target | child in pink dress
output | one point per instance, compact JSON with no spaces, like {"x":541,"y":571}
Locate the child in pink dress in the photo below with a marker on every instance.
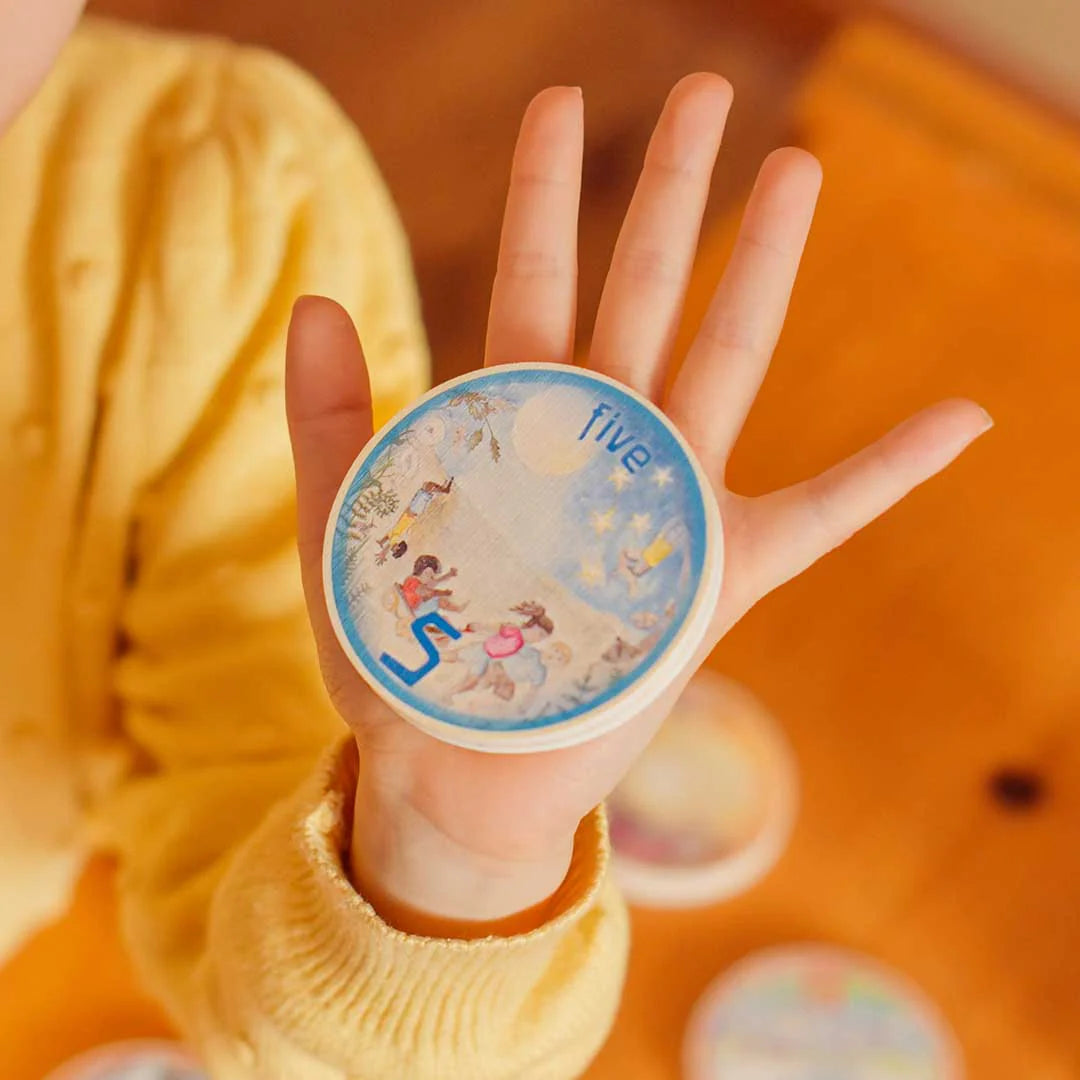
{"x":507,"y":656}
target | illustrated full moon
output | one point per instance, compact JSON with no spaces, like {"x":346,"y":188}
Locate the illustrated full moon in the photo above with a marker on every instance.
{"x":546,"y":432}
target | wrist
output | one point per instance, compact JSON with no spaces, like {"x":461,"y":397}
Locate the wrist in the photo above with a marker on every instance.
{"x":418,"y":877}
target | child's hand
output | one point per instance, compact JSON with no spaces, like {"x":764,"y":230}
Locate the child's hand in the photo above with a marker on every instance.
{"x":478,"y":836}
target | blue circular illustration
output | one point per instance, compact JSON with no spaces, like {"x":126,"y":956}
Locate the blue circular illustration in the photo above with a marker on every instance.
{"x":525,"y":548}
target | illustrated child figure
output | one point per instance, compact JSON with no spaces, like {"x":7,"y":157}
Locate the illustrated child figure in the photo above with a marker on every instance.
{"x":393,"y":542}
{"x":634,"y":564}
{"x":507,"y":655}
{"x":655,"y":624}
{"x":420,"y":591}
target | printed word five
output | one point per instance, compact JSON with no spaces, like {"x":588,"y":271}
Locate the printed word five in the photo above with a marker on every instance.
{"x":615,"y":438}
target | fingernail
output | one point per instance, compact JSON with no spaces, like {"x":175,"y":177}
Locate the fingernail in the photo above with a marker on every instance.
{"x":988,"y":421}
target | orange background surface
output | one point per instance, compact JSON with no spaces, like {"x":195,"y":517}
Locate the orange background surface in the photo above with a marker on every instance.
{"x":937,"y":647}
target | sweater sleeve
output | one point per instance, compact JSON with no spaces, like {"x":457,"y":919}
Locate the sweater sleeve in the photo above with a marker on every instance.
{"x":248,"y":189}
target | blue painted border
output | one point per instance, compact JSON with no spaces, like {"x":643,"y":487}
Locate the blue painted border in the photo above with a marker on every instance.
{"x":697,"y":523}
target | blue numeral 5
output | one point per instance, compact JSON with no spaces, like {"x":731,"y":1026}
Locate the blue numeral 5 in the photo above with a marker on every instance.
{"x":411,"y":676}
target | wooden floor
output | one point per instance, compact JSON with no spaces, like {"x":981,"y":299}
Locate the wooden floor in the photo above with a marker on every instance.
{"x":438,"y":96}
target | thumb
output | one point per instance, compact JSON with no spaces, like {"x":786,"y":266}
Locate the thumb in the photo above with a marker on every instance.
{"x":328,"y":404}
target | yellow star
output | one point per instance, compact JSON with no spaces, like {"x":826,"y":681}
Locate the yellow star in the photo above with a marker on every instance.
{"x":620,"y":478}
{"x":592,"y":573}
{"x":640,"y":522}
{"x":604,"y":522}
{"x":662,"y":477}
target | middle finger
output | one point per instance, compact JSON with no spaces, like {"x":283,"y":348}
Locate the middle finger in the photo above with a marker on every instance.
{"x":643,"y":296}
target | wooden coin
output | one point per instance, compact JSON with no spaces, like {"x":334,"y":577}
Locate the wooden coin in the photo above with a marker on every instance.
{"x":707,"y":809}
{"x":811,"y":1011}
{"x":138,"y":1059}
{"x":524,"y":558}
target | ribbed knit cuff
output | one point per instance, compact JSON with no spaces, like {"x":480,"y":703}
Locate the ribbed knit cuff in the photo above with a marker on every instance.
{"x":305,"y":963}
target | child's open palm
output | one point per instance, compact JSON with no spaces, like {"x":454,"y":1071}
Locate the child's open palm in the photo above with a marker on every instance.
{"x":472,"y":835}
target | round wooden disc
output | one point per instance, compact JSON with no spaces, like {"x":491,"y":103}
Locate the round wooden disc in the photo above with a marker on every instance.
{"x":707,"y":809}
{"x":524,"y":558}
{"x":137,"y":1059}
{"x":804,"y":1012}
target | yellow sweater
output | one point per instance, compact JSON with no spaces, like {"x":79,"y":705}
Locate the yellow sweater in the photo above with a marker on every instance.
{"x":162,"y":202}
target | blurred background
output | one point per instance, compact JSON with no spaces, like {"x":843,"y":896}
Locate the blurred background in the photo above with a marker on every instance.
{"x":928,"y":676}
